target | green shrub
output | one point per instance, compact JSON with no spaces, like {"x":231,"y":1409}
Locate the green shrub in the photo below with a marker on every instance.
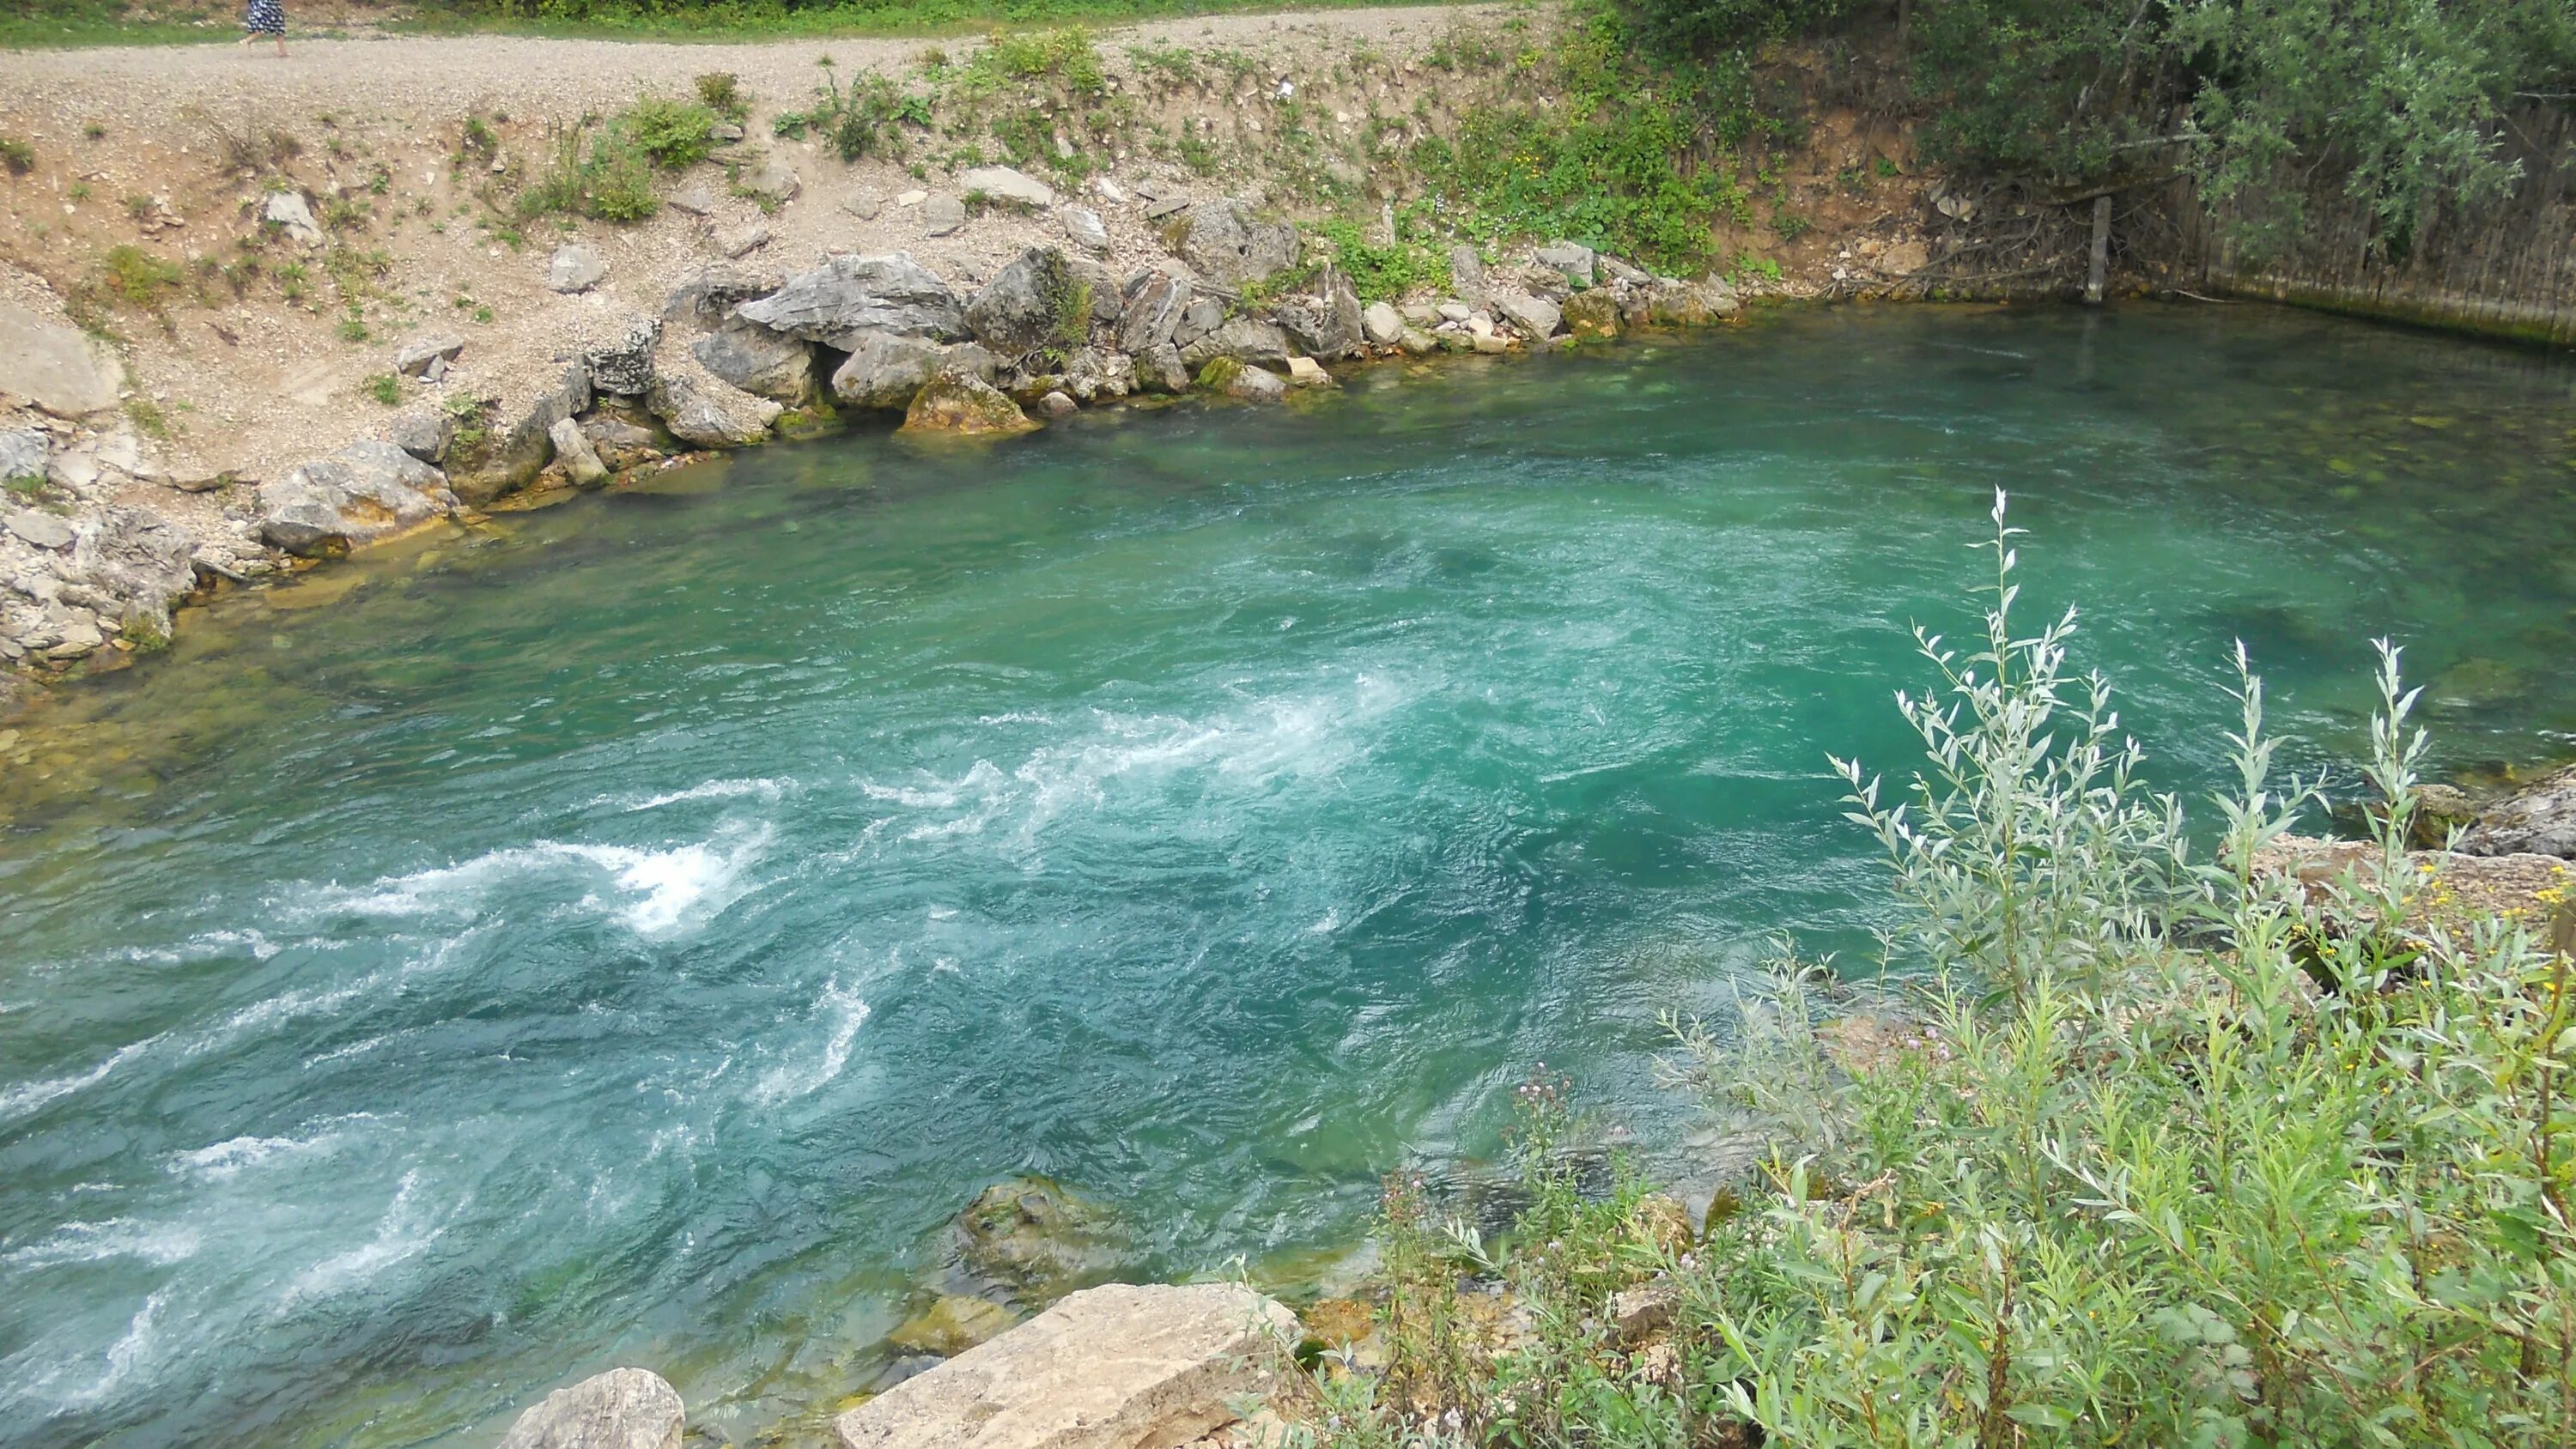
{"x":671,"y":134}
{"x":17,"y":156}
{"x":138,"y":277}
{"x":1382,"y":273}
{"x":385,"y":388}
{"x":721,"y":91}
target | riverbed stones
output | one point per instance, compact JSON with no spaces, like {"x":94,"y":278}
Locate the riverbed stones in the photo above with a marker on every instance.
{"x":414,"y":357}
{"x":581,"y":462}
{"x":1160,"y":369}
{"x":1232,"y":377}
{"x":54,"y":366}
{"x":1033,"y":302}
{"x":1115,"y":1367}
{"x":760,"y":360}
{"x":958,"y":402}
{"x":886,"y":369}
{"x":850,"y":296}
{"x":1382,"y":324}
{"x":624,"y":442}
{"x":1038,"y":1240}
{"x":575,"y":268}
{"x":624,"y":1408}
{"x":1230,"y":245}
{"x":1003,"y":186}
{"x":366,"y":491}
{"x":949,"y":1325}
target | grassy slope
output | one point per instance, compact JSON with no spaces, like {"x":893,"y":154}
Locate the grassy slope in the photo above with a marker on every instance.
{"x":62,"y":24}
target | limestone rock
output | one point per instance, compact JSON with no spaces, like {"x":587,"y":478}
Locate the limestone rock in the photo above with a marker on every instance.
{"x":1307,"y":372}
{"x":1202,"y":316}
{"x":1083,"y":227}
{"x":696,"y":201}
{"x":942,"y":214}
{"x":626,"y":1408}
{"x":1237,"y":379}
{"x":1572,"y":259}
{"x":572,"y":449}
{"x":1327,"y":325}
{"x":414,"y":357}
{"x":774,"y":182}
{"x":1467,"y":275}
{"x":1534,"y":317}
{"x":1640,"y":1312}
{"x":850,"y":296}
{"x":1091,"y":373}
{"x":1417,"y":343}
{"x":1669,"y":302}
{"x":1243,"y":339}
{"x":1035,"y":301}
{"x":508,"y":457}
{"x":1593,"y":315}
{"x":1619,"y":271}
{"x":738,"y":241}
{"x":959,"y":402}
{"x":1230,"y":246}
{"x":366,"y":491}
{"x":24,"y":452}
{"x":1058,"y":404}
{"x":1382,"y":324}
{"x":863,"y":203}
{"x":624,"y":367}
{"x":1116,"y":1367}
{"x":623,"y":443}
{"x":1038,"y":1239}
{"x":1008,"y":187}
{"x":290,"y":213}
{"x":2539,"y":819}
{"x":1160,"y":369}
{"x":54,"y":366}
{"x":422,"y":432}
{"x":575,"y":268}
{"x":887,"y":369}
{"x":43,"y":530}
{"x":702,"y":409}
{"x":1155,"y":302}
{"x":763,"y":362}
{"x":709,"y":295}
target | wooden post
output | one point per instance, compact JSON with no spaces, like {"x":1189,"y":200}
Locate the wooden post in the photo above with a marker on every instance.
{"x":2101,"y":250}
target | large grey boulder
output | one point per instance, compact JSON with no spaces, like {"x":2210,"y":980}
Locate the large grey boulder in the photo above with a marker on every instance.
{"x":1034,"y":302}
{"x":1115,"y":1367}
{"x":1467,"y":275}
{"x":959,"y":402}
{"x":2538,"y":819}
{"x":54,"y":366}
{"x":1533,"y":317}
{"x":887,"y":369}
{"x":1244,"y":339}
{"x":623,"y":365}
{"x":24,"y":453}
{"x":1202,"y":316}
{"x":43,"y":530}
{"x":1230,"y":245}
{"x":1008,"y":187}
{"x":1382,"y":323}
{"x":1242,"y":380}
{"x":1160,"y":369}
{"x":1327,"y":325}
{"x":366,"y":491}
{"x":702,"y":409}
{"x":761,"y":361}
{"x":1573,"y":259}
{"x":507,"y":457}
{"x":707,"y":296}
{"x":580,"y":460}
{"x":851,"y":296}
{"x":1155,"y":302}
{"x":575,"y":268}
{"x":422,"y":432}
{"x":627,"y":1408}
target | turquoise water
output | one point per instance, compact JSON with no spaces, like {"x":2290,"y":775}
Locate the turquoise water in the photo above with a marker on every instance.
{"x":627,"y":933}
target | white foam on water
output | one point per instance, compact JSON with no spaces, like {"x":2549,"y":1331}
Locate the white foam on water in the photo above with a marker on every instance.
{"x":652,"y":892}
{"x":403,"y":1231}
{"x":766,"y":790}
{"x":204,"y":946}
{"x":847,"y":1014}
{"x":233,"y":1155}
{"x":160,"y":1244}
{"x":129,"y":1349}
{"x":26,"y":1097}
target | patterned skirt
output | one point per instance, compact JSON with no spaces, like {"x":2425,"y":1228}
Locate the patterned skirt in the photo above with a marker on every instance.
{"x":267,"y":17}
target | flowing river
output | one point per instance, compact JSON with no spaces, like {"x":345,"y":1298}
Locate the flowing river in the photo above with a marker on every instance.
{"x":628,"y":933}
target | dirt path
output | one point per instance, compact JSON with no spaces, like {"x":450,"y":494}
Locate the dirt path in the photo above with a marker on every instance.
{"x":151,"y":86}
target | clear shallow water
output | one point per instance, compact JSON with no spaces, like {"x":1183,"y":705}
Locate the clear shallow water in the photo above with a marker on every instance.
{"x":624,"y":936}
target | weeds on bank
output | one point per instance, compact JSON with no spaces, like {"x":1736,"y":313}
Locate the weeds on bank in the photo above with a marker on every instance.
{"x":605,"y":169}
{"x":2130,"y":1174}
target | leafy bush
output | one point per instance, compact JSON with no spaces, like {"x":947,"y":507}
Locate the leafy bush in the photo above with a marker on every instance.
{"x":672,"y":134}
{"x":865,"y":120}
{"x":17,"y":156}
{"x":604,"y":174}
{"x":138,"y":277}
{"x":1380,"y":273}
{"x":721,"y":91}
{"x":2122,"y":1173}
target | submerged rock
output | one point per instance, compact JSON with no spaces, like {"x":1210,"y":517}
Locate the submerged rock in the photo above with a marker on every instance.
{"x":1117,"y":1367}
{"x":626,"y":1408}
{"x":1034,"y":1237}
{"x":950,"y":1325}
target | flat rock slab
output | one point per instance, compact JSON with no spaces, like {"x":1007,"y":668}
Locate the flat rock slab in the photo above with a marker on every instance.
{"x":627,"y":1408}
{"x":1116,"y":1367}
{"x":53,"y":366}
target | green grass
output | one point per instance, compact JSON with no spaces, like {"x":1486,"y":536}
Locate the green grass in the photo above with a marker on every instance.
{"x":755,"y":19}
